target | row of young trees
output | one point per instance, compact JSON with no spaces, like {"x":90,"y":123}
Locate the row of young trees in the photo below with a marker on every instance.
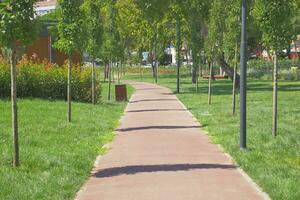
{"x":111,"y":30}
{"x":84,"y":26}
{"x":271,"y":24}
{"x":16,"y":29}
{"x":211,"y":30}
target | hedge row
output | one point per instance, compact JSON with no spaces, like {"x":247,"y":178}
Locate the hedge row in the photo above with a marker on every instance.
{"x":268,"y":65}
{"x":49,"y":81}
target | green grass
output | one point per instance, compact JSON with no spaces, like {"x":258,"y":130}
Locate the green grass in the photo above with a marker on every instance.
{"x":274,"y":163}
{"x":56,"y":157}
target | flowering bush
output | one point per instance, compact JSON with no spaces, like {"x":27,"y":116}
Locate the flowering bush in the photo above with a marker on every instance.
{"x":45,"y":80}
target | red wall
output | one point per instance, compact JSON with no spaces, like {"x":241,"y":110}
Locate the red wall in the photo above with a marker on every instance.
{"x":42,"y":50}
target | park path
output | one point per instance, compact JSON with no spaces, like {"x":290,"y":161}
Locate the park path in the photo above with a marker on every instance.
{"x":160,"y":153}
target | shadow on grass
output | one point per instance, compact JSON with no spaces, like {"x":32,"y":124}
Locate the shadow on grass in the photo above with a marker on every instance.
{"x":268,"y":86}
{"x":135,"y":169}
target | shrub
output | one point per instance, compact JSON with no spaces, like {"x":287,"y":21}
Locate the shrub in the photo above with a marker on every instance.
{"x":268,"y":65}
{"x":256,"y":73}
{"x":45,"y":80}
{"x":162,"y":70}
{"x":262,"y":69}
{"x":289,"y":74}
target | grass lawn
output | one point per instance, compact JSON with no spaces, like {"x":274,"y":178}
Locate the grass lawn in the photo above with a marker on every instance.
{"x":274,"y":163}
{"x":56,"y":157}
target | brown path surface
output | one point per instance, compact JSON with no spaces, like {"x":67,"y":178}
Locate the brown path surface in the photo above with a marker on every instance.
{"x":160,"y":153}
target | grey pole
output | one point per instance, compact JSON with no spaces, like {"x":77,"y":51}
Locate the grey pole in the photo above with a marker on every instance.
{"x":243,"y":79}
{"x":178,"y":31}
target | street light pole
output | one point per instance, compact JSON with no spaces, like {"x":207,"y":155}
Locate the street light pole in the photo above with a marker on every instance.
{"x":178,"y":32}
{"x":243,"y":79}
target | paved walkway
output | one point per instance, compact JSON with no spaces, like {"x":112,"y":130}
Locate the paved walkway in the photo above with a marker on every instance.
{"x":160,"y":153}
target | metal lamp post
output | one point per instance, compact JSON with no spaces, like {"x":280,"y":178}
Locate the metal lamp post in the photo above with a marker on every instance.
{"x":178,"y":33}
{"x":243,"y":79}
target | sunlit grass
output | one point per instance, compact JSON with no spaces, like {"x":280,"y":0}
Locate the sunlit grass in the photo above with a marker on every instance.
{"x":56,"y":157}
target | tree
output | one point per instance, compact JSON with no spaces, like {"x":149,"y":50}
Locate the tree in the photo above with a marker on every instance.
{"x":274,"y":18}
{"x":94,"y":31}
{"x":196,"y":13}
{"x":17,"y":30}
{"x":154,"y":14}
{"x":111,"y":46}
{"x":231,"y":38}
{"x":214,"y":40}
{"x":177,"y":14}
{"x":70,"y":33}
{"x":217,"y":30}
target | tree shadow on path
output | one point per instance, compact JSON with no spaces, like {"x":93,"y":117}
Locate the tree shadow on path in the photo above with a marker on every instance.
{"x":149,"y":100}
{"x":155,"y":110}
{"x":135,"y":169}
{"x":155,"y":127}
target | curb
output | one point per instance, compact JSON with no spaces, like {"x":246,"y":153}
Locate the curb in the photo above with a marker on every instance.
{"x":99,"y":157}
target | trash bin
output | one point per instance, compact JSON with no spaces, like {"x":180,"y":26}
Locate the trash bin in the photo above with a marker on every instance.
{"x":121,"y":92}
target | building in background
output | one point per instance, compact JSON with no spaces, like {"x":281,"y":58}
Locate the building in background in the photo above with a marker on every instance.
{"x":45,"y":6}
{"x":42,"y":49}
{"x":295,"y":48}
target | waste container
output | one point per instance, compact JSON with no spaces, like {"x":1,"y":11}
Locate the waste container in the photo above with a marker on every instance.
{"x":121,"y":92}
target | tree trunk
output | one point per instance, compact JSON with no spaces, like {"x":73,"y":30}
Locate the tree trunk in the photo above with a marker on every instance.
{"x":200,"y":68}
{"x":234,"y":80}
{"x":194,"y":73}
{"x":187,"y":56}
{"x":106,"y":70}
{"x":69,"y":91}
{"x":197,"y":79}
{"x":275,"y":94}
{"x":118,"y":66}
{"x":109,"y":80}
{"x":93,"y":84}
{"x":157,"y":71}
{"x":210,"y":64}
{"x":153,"y":69}
{"x":154,"y":65}
{"x":197,"y":82}
{"x":228,"y":70}
{"x":124,"y":69}
{"x":113,"y":72}
{"x":14,"y":110}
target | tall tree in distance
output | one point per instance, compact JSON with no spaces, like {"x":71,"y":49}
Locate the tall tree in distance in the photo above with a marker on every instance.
{"x":196,"y":13}
{"x":214,"y":39}
{"x":17,"y":29}
{"x":130,"y":27}
{"x":94,"y":26}
{"x":231,"y":42}
{"x":70,"y":37}
{"x":154,"y":15}
{"x":274,"y":18}
{"x":176,"y":8}
{"x":111,"y":44}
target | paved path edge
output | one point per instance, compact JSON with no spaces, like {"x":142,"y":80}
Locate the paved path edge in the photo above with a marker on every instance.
{"x":98,"y":158}
{"x":240,"y":170}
